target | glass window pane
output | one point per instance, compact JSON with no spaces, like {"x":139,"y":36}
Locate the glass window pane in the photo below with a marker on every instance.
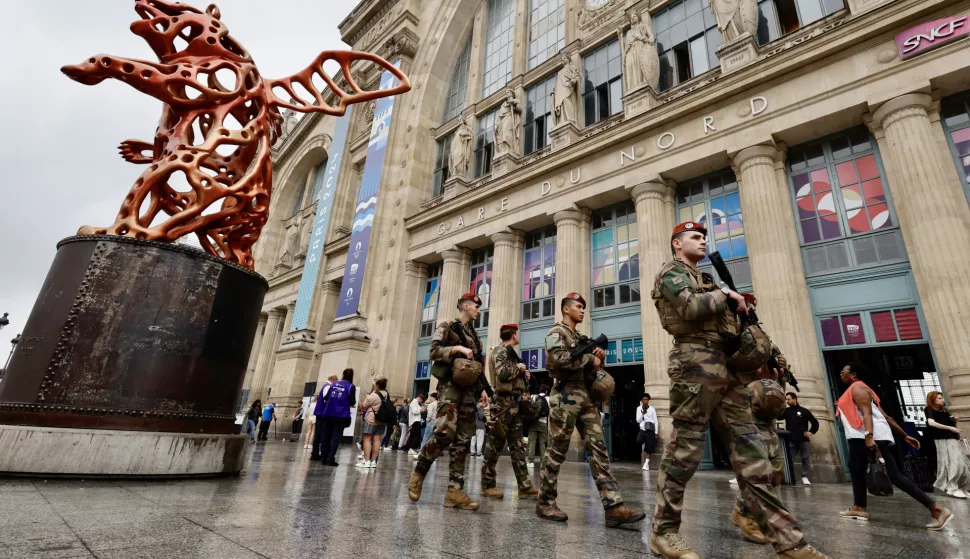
{"x":831,"y":332}
{"x":698,"y":56}
{"x":616,"y":97}
{"x":695,"y":25}
{"x":882,"y":324}
{"x":847,"y":173}
{"x":832,"y":6}
{"x":867,"y":167}
{"x":767,"y":24}
{"x":852,"y":329}
{"x":627,"y":350}
{"x":908,"y":323}
{"x":809,"y":10}
{"x":954,"y":112}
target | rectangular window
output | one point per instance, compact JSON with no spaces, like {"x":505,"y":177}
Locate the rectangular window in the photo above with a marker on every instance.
{"x":539,"y":275}
{"x":602,"y":83}
{"x":535,"y":359}
{"x":615,"y":256}
{"x":441,"y":167}
{"x":429,"y":311}
{"x":914,"y":392}
{"x":778,"y":18}
{"x":888,"y":326}
{"x":499,"y":34}
{"x":480,"y":282}
{"x":547,"y":30}
{"x":538,"y":115}
{"x":458,"y":90}
{"x":687,"y":41}
{"x":714,"y":201}
{"x":422,"y":370}
{"x":319,"y":178}
{"x":844,"y":215}
{"x":485,"y":144}
{"x":956,"y":121}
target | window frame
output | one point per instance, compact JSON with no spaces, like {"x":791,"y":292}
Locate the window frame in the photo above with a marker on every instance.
{"x":482,"y":259}
{"x":544,"y":245}
{"x":484,"y":152}
{"x":634,"y":280}
{"x":459,"y":84}
{"x":664,"y":25}
{"x":531,"y":119}
{"x":775,"y":22}
{"x":492,"y":44}
{"x":949,"y":130}
{"x":432,"y":279}
{"x":559,"y":29}
{"x":442,"y":167}
{"x":612,"y":80}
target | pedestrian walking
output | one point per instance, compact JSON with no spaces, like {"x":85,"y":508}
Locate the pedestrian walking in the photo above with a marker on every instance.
{"x":414,"y":420}
{"x":539,"y":429}
{"x":390,"y":429}
{"x":571,"y":404}
{"x":432,"y":407}
{"x":297,"y":427}
{"x":400,"y":436}
{"x":869,"y":430}
{"x":252,"y":417}
{"x":338,"y":398}
{"x":478,"y":441}
{"x":801,"y":426}
{"x":373,"y":426}
{"x":703,"y":320}
{"x":311,"y":420}
{"x":319,"y":447}
{"x":952,"y":471}
{"x":649,"y":429}
{"x":269,"y":415}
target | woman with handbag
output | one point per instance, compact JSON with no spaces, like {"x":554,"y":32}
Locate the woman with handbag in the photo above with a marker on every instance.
{"x":953,"y":473}
{"x":869,"y":430}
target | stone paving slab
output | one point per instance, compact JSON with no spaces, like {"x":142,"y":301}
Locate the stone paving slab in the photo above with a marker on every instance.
{"x":285,"y":507}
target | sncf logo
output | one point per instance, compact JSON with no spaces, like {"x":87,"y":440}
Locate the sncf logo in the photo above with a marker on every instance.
{"x":930,"y":35}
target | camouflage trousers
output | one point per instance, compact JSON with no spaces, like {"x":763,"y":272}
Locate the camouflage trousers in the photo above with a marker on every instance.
{"x":702,"y":389}
{"x":770,"y":436}
{"x":570,"y":406}
{"x":453,"y":430}
{"x":506,"y":428}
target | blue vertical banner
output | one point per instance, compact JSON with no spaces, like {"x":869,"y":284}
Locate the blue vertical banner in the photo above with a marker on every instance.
{"x":311,"y":266}
{"x":366,"y":203}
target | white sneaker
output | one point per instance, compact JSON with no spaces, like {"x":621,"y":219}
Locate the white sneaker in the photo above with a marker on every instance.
{"x":361,"y":464}
{"x":805,"y":481}
{"x":372,"y":464}
{"x":959,"y":494}
{"x":733,"y":481}
{"x":412,"y":453}
{"x":646,"y":465}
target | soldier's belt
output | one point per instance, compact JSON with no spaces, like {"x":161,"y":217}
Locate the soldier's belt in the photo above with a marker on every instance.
{"x":701,"y":341}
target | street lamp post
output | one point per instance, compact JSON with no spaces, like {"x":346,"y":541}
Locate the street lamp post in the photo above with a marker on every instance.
{"x":13,"y":346}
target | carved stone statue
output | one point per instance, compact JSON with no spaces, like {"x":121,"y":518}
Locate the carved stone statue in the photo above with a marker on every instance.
{"x":565,"y":94}
{"x":306,"y":230}
{"x":735,"y":17}
{"x":290,"y":121}
{"x":508,"y":126}
{"x":367,"y":121}
{"x":461,"y":149}
{"x":291,"y":246}
{"x":641,"y":57}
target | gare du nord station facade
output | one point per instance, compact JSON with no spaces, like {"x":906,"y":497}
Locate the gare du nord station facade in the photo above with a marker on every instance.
{"x":827,"y":151}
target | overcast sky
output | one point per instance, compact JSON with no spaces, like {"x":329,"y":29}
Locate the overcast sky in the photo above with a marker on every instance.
{"x":59,"y":166}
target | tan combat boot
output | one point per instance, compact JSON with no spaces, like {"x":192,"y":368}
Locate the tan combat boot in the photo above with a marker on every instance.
{"x":456,"y":498}
{"x":803,"y":552}
{"x":529,"y":493}
{"x":414,"y":486}
{"x":550,"y":512}
{"x":671,"y":546}
{"x":749,"y":529}
{"x":492,"y":493}
{"x":622,"y":514}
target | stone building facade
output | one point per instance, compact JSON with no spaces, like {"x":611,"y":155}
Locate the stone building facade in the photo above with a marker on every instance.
{"x":550,"y":146}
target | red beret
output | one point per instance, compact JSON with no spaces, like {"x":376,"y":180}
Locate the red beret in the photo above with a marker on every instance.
{"x":470,"y":297}
{"x":573,"y":297}
{"x":509,"y":328}
{"x":688,"y":226}
{"x":749,"y":298}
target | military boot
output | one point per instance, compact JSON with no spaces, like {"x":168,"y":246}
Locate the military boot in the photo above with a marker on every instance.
{"x":803,"y":552}
{"x":671,"y":546}
{"x":529,"y":493}
{"x":622,"y":514}
{"x":456,"y":498}
{"x":414,"y":486}
{"x":550,"y":512}
{"x":492,"y":493}
{"x":749,"y":529}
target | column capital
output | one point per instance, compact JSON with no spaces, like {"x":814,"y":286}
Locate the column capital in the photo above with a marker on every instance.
{"x":276,"y":313}
{"x":899,"y":108}
{"x":456,"y":255}
{"x":415,"y":269}
{"x":290,"y":306}
{"x":329,"y":288}
{"x":654,"y":189}
{"x":263,"y":317}
{"x":756,"y":155}
{"x":573,"y":216}
{"x":510,"y":237}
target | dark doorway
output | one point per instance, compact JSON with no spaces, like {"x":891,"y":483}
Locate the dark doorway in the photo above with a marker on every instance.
{"x":621,"y":416}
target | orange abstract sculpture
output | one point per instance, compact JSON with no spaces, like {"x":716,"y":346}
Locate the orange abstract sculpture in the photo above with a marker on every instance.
{"x":218,"y":124}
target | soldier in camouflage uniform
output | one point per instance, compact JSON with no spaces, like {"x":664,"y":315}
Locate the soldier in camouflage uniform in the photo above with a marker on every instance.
{"x":455,"y":424}
{"x":511,"y":376}
{"x":570,"y":405}
{"x":699,"y":316}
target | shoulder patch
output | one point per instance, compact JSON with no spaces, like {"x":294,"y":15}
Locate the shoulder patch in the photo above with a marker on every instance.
{"x":553,"y":340}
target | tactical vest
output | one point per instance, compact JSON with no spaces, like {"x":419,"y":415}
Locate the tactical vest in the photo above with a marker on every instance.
{"x":570,"y":338}
{"x":724,"y":325}
{"x":515,"y":386}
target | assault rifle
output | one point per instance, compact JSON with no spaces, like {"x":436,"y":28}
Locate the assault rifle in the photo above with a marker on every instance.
{"x":751,"y":318}
{"x":587,"y":345}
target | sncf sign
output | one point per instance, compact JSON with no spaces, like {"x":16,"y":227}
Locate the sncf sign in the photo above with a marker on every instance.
{"x":930,"y":35}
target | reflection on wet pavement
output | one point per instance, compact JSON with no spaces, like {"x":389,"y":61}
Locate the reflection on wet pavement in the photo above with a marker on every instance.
{"x":285,"y":507}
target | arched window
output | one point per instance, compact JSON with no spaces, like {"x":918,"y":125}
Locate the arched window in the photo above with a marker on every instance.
{"x":302,"y":200}
{"x":458,"y":91}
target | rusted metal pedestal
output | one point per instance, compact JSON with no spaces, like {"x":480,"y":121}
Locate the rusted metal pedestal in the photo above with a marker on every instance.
{"x":131,"y":363}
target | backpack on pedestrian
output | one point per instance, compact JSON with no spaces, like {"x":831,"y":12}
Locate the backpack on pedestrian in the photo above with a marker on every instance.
{"x":386,"y":413}
{"x":543,"y":407}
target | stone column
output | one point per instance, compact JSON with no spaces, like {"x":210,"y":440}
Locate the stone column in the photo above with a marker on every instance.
{"x":254,"y":352}
{"x":935,"y":222}
{"x":654,"y":224}
{"x":505,"y":306}
{"x":454,"y":281}
{"x":477,"y":58}
{"x":267,"y":350}
{"x":572,"y":257}
{"x":779,"y":283}
{"x":401,"y":378}
{"x":520,"y":41}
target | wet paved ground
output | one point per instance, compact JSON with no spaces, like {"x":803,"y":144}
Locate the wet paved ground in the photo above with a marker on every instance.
{"x":285,"y":507}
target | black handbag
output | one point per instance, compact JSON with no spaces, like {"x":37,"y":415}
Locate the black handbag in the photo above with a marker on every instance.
{"x":877,"y":476}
